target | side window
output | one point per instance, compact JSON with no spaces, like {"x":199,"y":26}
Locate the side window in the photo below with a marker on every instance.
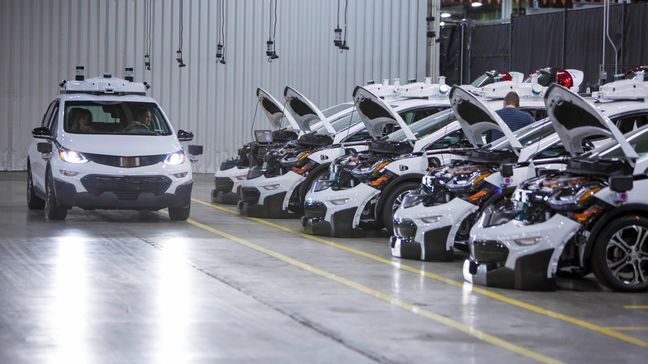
{"x":359,"y":136}
{"x":53,"y":121}
{"x":48,"y":113}
{"x":454,"y":139}
{"x":537,"y":114}
{"x":422,"y":114}
{"x":631,"y":122}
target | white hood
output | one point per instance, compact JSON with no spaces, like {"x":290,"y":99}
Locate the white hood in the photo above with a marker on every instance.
{"x":131,"y":145}
{"x":576,"y":119}
{"x":476,"y":118}
{"x":274,"y":111}
{"x":375,"y":113}
{"x":304,"y":111}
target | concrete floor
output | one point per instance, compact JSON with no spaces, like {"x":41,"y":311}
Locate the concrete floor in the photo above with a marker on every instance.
{"x":130,"y":287}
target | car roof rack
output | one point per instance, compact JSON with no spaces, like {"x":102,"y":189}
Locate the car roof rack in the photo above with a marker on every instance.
{"x":527,"y":89}
{"x":425,"y":89}
{"x":105,"y":85}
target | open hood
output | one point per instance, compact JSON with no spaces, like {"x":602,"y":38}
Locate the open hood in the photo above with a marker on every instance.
{"x":375,"y":113}
{"x":304,"y":111}
{"x":476,"y":118}
{"x":274,"y":111}
{"x":576,"y":119}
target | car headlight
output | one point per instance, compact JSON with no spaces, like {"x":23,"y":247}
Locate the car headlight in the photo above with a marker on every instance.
{"x":71,"y":156}
{"x":533,"y":240}
{"x":431,"y":219}
{"x":271,"y":187}
{"x":173,"y":159}
{"x":322,"y":184}
{"x":412,"y":199}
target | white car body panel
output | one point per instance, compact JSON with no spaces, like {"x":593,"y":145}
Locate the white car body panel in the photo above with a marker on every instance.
{"x":356,"y":196}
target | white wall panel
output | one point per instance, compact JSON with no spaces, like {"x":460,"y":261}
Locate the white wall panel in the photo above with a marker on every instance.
{"x":43,"y":41}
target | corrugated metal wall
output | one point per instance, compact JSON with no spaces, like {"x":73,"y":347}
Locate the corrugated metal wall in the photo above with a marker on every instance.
{"x":43,"y":41}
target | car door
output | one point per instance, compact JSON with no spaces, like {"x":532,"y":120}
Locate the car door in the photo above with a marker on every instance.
{"x":37,"y":162}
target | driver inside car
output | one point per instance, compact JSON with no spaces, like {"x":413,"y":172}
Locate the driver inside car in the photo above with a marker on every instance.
{"x":81,"y":120}
{"x":144,"y":119}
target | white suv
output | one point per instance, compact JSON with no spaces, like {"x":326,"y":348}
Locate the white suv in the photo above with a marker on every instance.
{"x":104,"y":144}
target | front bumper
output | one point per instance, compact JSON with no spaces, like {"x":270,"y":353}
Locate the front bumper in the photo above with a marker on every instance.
{"x":336,"y":213}
{"x":268,"y":197}
{"x":428,"y":233}
{"x":226,"y":183}
{"x":123,"y":192}
{"x":497,"y":260}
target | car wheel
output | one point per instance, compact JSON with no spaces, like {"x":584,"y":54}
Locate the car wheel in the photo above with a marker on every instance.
{"x":393,"y":202}
{"x":33,"y":202}
{"x":620,"y":256}
{"x":53,"y":211}
{"x":180,"y":213}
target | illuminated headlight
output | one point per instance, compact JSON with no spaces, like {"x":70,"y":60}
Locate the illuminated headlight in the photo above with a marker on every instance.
{"x":173,"y":159}
{"x":528,"y":241}
{"x":431,"y":219}
{"x":271,"y":187}
{"x":71,"y":156}
{"x":340,"y":201}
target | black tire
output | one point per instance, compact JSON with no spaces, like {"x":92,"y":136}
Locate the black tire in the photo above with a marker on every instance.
{"x":618,"y":253}
{"x":388,"y":208}
{"x":180,"y":213}
{"x":33,"y":201}
{"x":53,"y":211}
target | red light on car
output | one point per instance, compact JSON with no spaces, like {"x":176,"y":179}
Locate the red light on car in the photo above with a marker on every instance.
{"x":564,"y":78}
{"x":506,"y":76}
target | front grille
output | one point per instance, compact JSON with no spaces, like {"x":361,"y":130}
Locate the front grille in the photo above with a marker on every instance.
{"x":250,"y":195}
{"x":125,"y":187}
{"x":223,"y":183}
{"x":404,"y":228}
{"x":125,"y":162}
{"x":489,"y":252}
{"x":314,"y":209}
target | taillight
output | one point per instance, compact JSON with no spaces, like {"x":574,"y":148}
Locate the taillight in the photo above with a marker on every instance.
{"x":564,"y":78}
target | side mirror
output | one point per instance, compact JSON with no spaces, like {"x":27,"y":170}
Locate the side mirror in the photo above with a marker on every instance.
{"x":506,"y":170}
{"x":621,"y":184}
{"x":41,"y":132}
{"x":195,"y":149}
{"x":44,"y":148}
{"x":185,"y":136}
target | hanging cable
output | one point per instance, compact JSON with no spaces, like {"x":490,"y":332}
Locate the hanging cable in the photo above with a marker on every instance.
{"x":344,"y":46}
{"x":180,"y":31}
{"x":337,"y":32}
{"x":148,"y":25}
{"x":271,"y":50}
{"x":220,"y":31}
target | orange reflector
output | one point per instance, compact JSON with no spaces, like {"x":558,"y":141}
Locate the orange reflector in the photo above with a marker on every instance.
{"x":380,"y":180}
{"x":478,"y":195}
{"x":587,"y":214}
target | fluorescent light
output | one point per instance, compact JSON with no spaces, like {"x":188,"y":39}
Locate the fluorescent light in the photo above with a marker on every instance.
{"x":445,"y":15}
{"x":441,"y":23}
{"x":476,"y":4}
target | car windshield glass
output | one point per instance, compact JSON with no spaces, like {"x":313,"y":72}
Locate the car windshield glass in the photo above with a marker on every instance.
{"x":526,"y":135}
{"x":638,"y":139}
{"x":425,"y":126}
{"x":336,"y":109}
{"x":114,"y":117}
{"x":341,"y":123}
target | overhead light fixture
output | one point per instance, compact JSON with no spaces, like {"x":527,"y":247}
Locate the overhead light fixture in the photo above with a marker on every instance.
{"x":442,"y":24}
{"x":445,"y":15}
{"x":476,"y":4}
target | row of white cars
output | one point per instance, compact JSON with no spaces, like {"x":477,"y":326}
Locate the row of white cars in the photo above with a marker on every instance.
{"x":560,"y":196}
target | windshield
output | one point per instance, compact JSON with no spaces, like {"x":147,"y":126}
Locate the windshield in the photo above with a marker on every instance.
{"x":637,"y":139}
{"x":425,"y":126}
{"x":114,"y":117}
{"x":341,"y":123}
{"x":336,"y":109}
{"x":526,"y":135}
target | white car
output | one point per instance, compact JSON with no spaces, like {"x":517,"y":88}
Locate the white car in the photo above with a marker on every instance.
{"x":104,"y":144}
{"x":364,"y":192}
{"x":279,"y":188}
{"x":589,"y":217}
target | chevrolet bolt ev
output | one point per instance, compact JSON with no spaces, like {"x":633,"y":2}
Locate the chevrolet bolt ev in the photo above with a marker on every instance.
{"x":233,"y":171}
{"x":364,"y":190}
{"x":104,"y":144}
{"x":280,"y":187}
{"x":592,"y":216}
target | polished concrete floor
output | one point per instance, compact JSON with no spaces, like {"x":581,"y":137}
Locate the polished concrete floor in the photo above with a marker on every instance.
{"x":130,"y":287}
